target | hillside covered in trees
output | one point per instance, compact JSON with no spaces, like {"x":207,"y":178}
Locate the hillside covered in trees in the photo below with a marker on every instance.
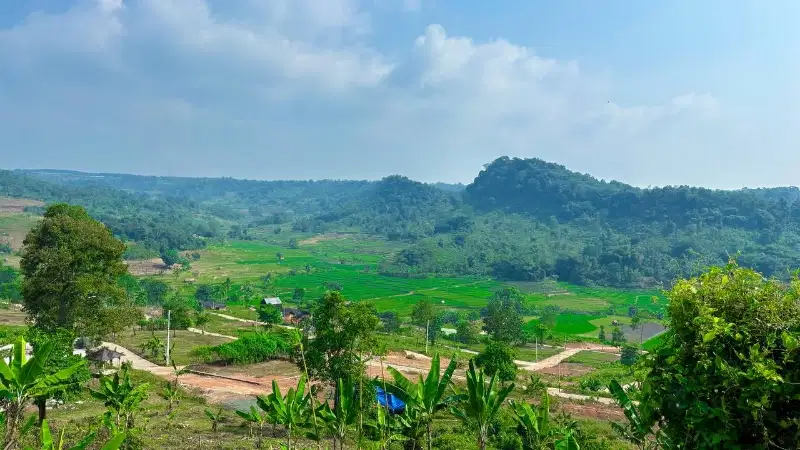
{"x":520,"y":219}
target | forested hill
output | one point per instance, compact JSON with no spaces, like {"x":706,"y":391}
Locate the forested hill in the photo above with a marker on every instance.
{"x":521,"y":219}
{"x":544,"y":190}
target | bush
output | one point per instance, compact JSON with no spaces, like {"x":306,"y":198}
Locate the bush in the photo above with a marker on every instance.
{"x":591,"y":383}
{"x":204,"y":353}
{"x":254,"y":348}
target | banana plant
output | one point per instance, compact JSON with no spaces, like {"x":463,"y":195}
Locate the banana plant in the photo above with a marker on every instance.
{"x":292,"y":411}
{"x":255,"y":418}
{"x":215,"y":417}
{"x":172,"y":392}
{"x":121,"y":397}
{"x":538,"y":430}
{"x":22,"y":379}
{"x":480,"y":404}
{"x":345,"y":412}
{"x":636,"y":431}
{"x":425,"y":398}
{"x":388,"y":428}
{"x":47,"y":443}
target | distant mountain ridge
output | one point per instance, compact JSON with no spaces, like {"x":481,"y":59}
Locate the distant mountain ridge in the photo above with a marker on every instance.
{"x":520,"y":219}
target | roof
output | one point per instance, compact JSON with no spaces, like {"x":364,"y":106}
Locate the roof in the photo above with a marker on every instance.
{"x":104,"y":354}
{"x":209,"y":304}
{"x":295,"y":312}
{"x":271,"y":301}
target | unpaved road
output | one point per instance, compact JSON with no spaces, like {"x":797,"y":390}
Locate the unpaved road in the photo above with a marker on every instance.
{"x":214,"y":388}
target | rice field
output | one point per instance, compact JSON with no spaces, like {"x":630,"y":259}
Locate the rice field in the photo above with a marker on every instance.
{"x":351,"y":261}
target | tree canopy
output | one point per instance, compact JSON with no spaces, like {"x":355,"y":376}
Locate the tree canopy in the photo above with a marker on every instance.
{"x":727,"y":371}
{"x":71,"y":265}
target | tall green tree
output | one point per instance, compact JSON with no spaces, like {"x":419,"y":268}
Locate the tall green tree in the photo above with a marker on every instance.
{"x":497,"y":359}
{"x":71,"y":264}
{"x":480,"y":404}
{"x":344,"y":332}
{"x":503,"y":319}
{"x":423,"y":312}
{"x":726,"y":375}
{"x":270,"y":314}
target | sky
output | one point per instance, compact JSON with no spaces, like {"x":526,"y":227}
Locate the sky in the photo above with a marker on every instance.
{"x":649,"y":93}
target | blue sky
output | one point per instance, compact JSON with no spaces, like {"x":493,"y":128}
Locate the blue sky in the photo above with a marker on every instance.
{"x":651,"y":93}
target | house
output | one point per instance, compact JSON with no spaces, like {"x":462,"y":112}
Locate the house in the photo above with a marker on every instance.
{"x":294,"y":315}
{"x":210,"y":304}
{"x":274,"y":301}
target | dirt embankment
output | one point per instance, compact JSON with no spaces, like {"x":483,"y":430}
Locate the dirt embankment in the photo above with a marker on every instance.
{"x":17,"y":205}
{"x":145,"y":267}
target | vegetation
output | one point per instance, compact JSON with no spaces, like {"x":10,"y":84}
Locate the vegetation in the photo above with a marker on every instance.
{"x":70,"y":266}
{"x":726,"y":370}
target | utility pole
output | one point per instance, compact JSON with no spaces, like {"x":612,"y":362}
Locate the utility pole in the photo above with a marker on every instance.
{"x":427,"y":326}
{"x":536,"y":348}
{"x":169,"y":317}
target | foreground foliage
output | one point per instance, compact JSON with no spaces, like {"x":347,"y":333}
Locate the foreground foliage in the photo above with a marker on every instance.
{"x":728,"y":372}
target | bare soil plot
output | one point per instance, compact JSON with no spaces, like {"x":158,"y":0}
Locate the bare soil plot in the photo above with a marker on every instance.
{"x":17,"y":205}
{"x":568,"y":370}
{"x":145,"y":267}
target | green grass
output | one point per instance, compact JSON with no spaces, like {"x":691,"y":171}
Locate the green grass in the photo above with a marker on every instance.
{"x":594,"y":299}
{"x":228,"y":327}
{"x":593,"y":359}
{"x":184,"y":342}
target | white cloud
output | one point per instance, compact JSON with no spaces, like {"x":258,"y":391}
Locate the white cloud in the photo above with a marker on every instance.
{"x":294,"y":88}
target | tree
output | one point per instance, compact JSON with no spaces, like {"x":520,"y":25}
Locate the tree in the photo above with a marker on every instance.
{"x":293,"y":243}
{"x":180,"y":312}
{"x":204,"y":293}
{"x":467,"y":332}
{"x":617,"y":336}
{"x":726,"y":373}
{"x":636,"y":324}
{"x":503,"y":319}
{"x":343,"y":332}
{"x":23,"y":379}
{"x":154,"y":347}
{"x":297,"y":295}
{"x":497,"y":359}
{"x":201,"y":320}
{"x":601,"y":336}
{"x":629,"y":355}
{"x":170,"y":257}
{"x":71,"y":264}
{"x":479,"y":406}
{"x":425,"y":398}
{"x":423,"y":312}
{"x":391,"y":322}
{"x":270,"y":314}
{"x":156,"y":291}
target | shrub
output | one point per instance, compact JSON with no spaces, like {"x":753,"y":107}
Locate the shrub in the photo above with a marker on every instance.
{"x":254,"y":348}
{"x":204,"y":353}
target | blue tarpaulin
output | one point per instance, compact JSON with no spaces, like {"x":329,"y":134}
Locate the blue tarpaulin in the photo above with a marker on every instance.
{"x":390,"y":401}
